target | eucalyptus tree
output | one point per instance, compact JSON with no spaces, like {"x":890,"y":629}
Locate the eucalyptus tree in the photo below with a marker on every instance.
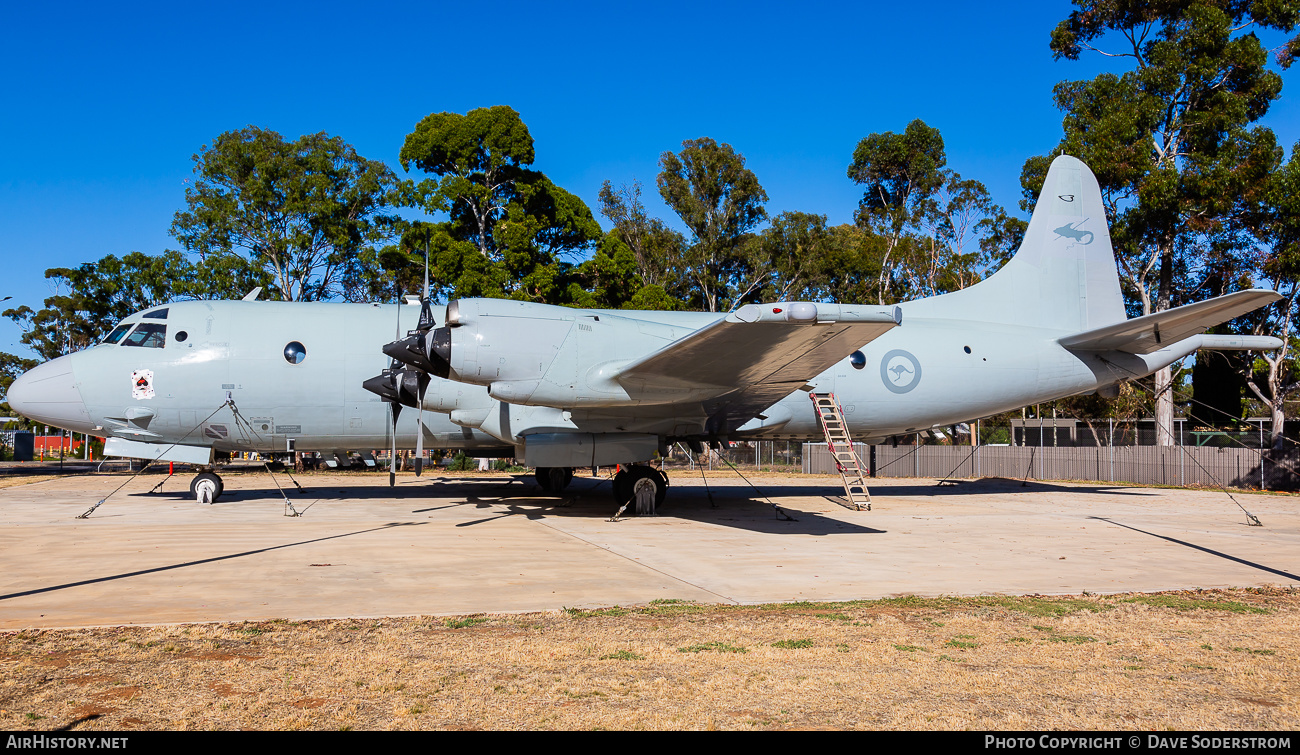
{"x":300,"y":210}
{"x":656,"y":248}
{"x":720,"y":201}
{"x":1275,"y":223}
{"x":509,"y":227}
{"x":928,"y":217}
{"x":900,"y":174}
{"x":798,"y":249}
{"x":1164,"y":136}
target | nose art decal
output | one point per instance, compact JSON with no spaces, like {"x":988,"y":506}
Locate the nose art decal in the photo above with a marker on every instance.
{"x":142,"y":384}
{"x":900,"y":371}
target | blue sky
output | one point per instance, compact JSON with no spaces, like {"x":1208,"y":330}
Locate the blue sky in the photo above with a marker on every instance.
{"x":104,"y":106}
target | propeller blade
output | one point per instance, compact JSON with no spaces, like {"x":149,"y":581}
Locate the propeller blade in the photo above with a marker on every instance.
{"x":392,"y":450}
{"x":396,"y":407}
{"x":419,"y":434}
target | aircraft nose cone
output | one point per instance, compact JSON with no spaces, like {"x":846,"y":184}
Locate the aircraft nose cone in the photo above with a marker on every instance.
{"x":49,"y":394}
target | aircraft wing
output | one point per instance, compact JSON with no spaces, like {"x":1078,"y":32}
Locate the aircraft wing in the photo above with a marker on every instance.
{"x":1143,"y":335}
{"x":757,"y":355}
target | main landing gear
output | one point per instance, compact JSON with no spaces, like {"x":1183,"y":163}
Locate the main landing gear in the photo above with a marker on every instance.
{"x":635,"y":483}
{"x":635,"y":478}
{"x":554,"y":479}
{"x":206,"y":487}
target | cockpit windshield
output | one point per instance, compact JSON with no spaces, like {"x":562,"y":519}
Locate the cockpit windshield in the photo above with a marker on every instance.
{"x":149,"y":335}
{"x":118,"y":332}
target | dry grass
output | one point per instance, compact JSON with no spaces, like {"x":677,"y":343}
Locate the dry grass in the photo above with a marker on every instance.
{"x":9,"y":481}
{"x":1193,"y":660}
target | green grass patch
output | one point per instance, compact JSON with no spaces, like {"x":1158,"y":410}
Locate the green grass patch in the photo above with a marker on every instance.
{"x":464,"y":623}
{"x":587,"y":613}
{"x":1072,"y":639}
{"x":623,"y":655}
{"x":717,"y":647}
{"x":910,"y":648}
{"x":1254,"y":652}
{"x":793,"y":644}
{"x":1046,"y":607}
{"x":962,"y":644}
{"x":1180,"y":603}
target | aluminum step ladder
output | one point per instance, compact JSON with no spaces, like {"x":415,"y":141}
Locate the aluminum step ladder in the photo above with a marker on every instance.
{"x":838,"y":442}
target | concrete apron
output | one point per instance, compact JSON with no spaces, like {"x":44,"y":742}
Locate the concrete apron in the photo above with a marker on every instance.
{"x":490,"y":544}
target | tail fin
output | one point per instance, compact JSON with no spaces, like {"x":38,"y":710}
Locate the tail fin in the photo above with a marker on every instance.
{"x":1063,"y":276}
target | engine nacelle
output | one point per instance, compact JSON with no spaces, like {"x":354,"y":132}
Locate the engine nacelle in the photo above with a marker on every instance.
{"x":544,"y":355}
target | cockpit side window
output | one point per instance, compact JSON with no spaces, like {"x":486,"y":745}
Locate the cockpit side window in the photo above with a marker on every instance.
{"x":149,"y":335}
{"x":157,"y":314}
{"x":118,"y":332}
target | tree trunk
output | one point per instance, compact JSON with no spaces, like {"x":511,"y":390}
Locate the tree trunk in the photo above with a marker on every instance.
{"x":1164,"y":407}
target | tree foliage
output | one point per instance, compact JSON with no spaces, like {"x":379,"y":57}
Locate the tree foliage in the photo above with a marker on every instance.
{"x":928,"y":217}
{"x":1170,"y":139}
{"x":303,"y":211}
{"x":720,"y":201}
{"x":509,"y":227}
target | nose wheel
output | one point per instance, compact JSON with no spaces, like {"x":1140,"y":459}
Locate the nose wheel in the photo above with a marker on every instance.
{"x":206,"y":487}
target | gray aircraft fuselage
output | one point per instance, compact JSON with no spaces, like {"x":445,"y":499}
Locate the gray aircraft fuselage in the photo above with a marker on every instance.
{"x":1050,"y":323}
{"x":944,"y":371}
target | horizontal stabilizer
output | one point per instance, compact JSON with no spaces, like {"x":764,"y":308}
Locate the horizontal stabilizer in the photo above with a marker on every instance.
{"x":757,"y":355}
{"x":1143,"y":335}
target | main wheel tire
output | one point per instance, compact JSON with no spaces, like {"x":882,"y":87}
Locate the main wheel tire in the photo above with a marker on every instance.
{"x":208,"y":483}
{"x":543,"y":475}
{"x":625,"y":485}
{"x":558,"y":479}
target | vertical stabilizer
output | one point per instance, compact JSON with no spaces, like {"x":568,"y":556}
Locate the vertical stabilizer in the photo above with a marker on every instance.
{"x":1063,"y":276}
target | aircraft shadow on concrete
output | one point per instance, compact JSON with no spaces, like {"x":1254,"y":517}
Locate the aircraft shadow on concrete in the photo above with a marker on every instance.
{"x":588,"y":498}
{"x":1202,"y":548}
{"x":198,"y":562}
{"x":737,"y":506}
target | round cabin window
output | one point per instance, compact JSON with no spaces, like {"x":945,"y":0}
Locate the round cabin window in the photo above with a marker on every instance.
{"x":294,"y":353}
{"x":181,"y":336}
{"x":858,"y":360}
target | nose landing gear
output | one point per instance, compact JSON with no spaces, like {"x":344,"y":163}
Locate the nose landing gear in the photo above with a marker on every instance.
{"x":206,"y":487}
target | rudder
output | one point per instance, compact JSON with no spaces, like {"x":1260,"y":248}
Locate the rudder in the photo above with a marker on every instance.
{"x":1063,"y":276}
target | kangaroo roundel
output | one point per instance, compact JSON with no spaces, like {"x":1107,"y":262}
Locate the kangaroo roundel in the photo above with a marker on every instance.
{"x":900,"y":371}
